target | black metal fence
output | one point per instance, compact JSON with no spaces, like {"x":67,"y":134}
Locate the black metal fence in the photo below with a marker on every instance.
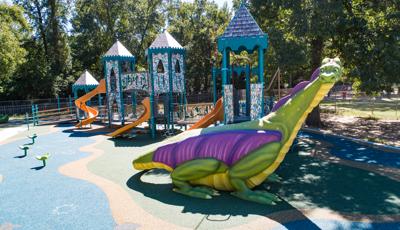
{"x":342,"y":102}
{"x":19,"y":107}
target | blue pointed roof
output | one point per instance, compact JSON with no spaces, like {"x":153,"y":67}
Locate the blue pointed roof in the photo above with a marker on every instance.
{"x":242,"y":25}
{"x":243,"y":33}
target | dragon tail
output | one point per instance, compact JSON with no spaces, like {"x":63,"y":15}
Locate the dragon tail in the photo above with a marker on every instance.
{"x":146,"y":162}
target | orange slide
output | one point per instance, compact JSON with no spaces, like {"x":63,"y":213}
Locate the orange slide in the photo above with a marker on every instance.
{"x":81,"y":104}
{"x":144,"y":117}
{"x":217,"y":114}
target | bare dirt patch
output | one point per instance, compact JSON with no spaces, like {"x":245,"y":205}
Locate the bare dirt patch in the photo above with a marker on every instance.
{"x":380,"y":131}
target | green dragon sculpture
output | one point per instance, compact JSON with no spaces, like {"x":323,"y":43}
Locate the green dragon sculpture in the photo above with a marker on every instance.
{"x":241,"y":156}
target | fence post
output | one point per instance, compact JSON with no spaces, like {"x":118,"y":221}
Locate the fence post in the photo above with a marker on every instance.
{"x":37,"y":114}
{"x":70,"y":104}
{"x":27,"y":119}
{"x":33,"y":114}
{"x":58,"y":103}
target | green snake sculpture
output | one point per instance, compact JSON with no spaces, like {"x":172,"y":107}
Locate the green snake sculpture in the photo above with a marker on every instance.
{"x":241,"y":156}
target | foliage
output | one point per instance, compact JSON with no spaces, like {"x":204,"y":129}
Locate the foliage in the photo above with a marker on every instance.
{"x":48,"y":61}
{"x":196,"y":26}
{"x":45,"y":51}
{"x":13,"y":28}
{"x":134,"y":22}
{"x":363,"y":33}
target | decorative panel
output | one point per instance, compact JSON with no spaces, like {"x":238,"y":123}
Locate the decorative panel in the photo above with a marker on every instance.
{"x":178,"y":81}
{"x":135,"y":81}
{"x":161,"y":80}
{"x":228,"y":103}
{"x":256,"y":100}
{"x":114,"y":88}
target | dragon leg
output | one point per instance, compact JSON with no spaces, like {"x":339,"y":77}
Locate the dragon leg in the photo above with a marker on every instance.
{"x":193,"y":170}
{"x":274,"y":178}
{"x":252,"y":165}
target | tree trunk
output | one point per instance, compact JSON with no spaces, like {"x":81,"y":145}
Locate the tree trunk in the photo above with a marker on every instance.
{"x":314,"y":118}
{"x":54,"y":37}
{"x":317,"y":45}
{"x":41,"y":27}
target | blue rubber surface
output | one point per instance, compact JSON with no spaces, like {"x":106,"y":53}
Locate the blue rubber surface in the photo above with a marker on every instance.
{"x":45,"y":199}
{"x":350,"y":150}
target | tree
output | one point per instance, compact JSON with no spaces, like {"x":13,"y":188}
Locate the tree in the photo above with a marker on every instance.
{"x":197,"y":25}
{"x":48,"y":42}
{"x":13,"y":29}
{"x":135,"y":23}
{"x":362,"y":33}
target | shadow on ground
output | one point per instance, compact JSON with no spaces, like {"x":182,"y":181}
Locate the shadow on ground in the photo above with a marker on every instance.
{"x":37,"y":168}
{"x":225,"y":204}
{"x":84,"y":132}
{"x":138,"y":140}
{"x":308,"y":183}
{"x":315,"y":183}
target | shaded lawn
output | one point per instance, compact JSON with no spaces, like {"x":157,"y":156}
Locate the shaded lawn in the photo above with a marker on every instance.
{"x":380,"y":110}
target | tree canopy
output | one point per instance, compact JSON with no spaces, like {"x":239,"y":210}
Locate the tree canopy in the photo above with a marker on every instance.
{"x":47,"y":44}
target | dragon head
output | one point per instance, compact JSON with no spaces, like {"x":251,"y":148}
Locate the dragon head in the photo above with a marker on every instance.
{"x":331,"y":70}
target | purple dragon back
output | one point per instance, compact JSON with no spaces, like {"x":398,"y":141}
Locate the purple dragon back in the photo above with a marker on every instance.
{"x":228,"y":146}
{"x":295,"y":90}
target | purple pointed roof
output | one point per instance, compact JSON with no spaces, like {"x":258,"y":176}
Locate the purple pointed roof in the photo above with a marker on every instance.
{"x":242,"y":25}
{"x":86,"y":79}
{"x":165,"y":40}
{"x":118,"y":50}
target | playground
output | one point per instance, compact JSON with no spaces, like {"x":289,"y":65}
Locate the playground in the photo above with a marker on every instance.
{"x":132,"y":150}
{"x":91,"y":185}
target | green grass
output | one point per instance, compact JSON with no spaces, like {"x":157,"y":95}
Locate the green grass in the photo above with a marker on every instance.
{"x":383,"y":110}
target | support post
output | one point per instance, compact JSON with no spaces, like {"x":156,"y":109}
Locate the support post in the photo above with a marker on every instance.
{"x":86,"y":92}
{"x":107,"y":95}
{"x":170,"y":99}
{"x":37,"y":114}
{"x":152,"y":106}
{"x":121,"y":94}
{"x":134,"y":103}
{"x":248,"y":99}
{"x":261,"y":77}
{"x":76,"y":97}
{"x":99,"y":104}
{"x":214,"y":79}
{"x":224,"y":71}
{"x":181,"y":102}
{"x":184,"y":85}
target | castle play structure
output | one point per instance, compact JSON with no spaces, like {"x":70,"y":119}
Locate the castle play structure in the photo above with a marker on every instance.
{"x":232,"y":157}
{"x":242,"y":100}
{"x":164,"y":81}
{"x":242,"y":34}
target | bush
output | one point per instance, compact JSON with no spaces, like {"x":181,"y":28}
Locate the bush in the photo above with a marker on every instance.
{"x":3,"y":119}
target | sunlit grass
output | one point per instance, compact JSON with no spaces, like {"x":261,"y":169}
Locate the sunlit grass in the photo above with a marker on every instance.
{"x":367,"y":109}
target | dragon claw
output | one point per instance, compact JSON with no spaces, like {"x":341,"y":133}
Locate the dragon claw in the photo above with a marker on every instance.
{"x":261,"y":197}
{"x":207,"y":190}
{"x":274,"y":178}
{"x":193,"y":193}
